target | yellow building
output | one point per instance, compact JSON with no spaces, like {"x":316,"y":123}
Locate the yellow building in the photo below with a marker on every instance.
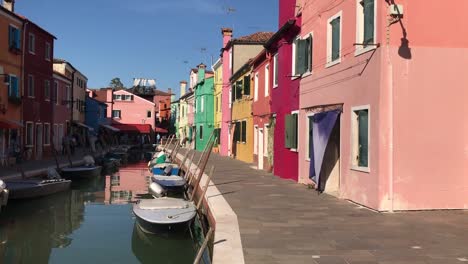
{"x":242,"y":119}
{"x":218,"y":86}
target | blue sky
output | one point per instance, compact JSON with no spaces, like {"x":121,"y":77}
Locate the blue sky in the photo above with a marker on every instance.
{"x":160,"y":39}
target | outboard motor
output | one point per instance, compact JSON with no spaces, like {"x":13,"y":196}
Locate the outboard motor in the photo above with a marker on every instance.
{"x":52,"y":174}
{"x":157,"y":190}
{"x":2,"y":186}
{"x":168,"y":170}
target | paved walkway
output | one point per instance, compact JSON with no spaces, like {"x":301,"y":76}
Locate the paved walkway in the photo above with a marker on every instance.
{"x":284,"y":222}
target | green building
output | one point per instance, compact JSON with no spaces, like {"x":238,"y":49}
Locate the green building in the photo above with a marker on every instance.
{"x":204,"y":107}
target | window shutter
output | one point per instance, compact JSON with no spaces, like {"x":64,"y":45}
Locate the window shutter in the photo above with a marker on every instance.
{"x":18,"y":39}
{"x":238,"y":89}
{"x":368,"y":21}
{"x":335,"y":38}
{"x":310,"y":54}
{"x":131,"y":97}
{"x":363,"y":118}
{"x":233,"y":92}
{"x":244,"y":131}
{"x":288,"y":131}
{"x":11,"y":36}
{"x":294,"y":131}
{"x":301,"y":57}
{"x":236,"y":131}
{"x":247,"y":85}
{"x":276,"y":69}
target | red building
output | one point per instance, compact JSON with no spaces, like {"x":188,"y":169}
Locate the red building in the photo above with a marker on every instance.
{"x":261,"y":108}
{"x":285,"y":91}
{"x":38,"y":83}
{"x":61,"y":109}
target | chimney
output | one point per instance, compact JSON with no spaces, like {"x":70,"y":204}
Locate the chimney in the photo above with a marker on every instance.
{"x":201,"y":72}
{"x":183,"y":86}
{"x":9,"y":4}
{"x":227,"y":35}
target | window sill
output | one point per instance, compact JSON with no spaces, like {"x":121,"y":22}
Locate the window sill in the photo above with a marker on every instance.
{"x":361,"y":169}
{"x":275,"y":86}
{"x":360,"y":51}
{"x":307,"y":159}
{"x":293,"y":150}
{"x":31,"y":52}
{"x":306,"y":74}
{"x":333,"y":63}
{"x":295,"y":77}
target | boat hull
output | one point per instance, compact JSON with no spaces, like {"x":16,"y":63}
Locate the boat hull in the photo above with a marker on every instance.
{"x":160,"y":171}
{"x":81,"y":172}
{"x":174,"y":184}
{"x":29,"y":189}
{"x":159,"y":229}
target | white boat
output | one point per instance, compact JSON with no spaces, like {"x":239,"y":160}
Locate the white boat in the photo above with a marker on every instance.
{"x":171,"y":183}
{"x":34,"y":188}
{"x":161,"y":215}
{"x":3,"y":194}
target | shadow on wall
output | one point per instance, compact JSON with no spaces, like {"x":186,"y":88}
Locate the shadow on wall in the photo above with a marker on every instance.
{"x":330,"y":172}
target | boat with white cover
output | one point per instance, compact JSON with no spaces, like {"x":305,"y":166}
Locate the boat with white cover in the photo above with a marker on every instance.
{"x":164,"y":214}
{"x":34,"y":188}
{"x":159,"y":169}
{"x":171,"y":183}
{"x":81,"y":172}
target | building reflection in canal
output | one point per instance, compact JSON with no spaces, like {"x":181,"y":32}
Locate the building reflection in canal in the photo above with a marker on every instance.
{"x":127,"y":185}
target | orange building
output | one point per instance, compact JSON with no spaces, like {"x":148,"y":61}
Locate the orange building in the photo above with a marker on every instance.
{"x":11,"y":30}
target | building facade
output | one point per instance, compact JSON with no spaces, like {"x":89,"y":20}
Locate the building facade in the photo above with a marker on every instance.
{"x":132,"y":109}
{"x":218,"y":87}
{"x":11,"y":83}
{"x":204,"y":115}
{"x":369,"y":105}
{"x":61,"y":110}
{"x":96,"y":113}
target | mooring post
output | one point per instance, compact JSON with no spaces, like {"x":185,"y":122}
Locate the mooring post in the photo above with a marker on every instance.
{"x":205,"y":187}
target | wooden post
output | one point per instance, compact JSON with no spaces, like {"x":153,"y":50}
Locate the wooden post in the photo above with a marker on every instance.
{"x":202,"y":169}
{"x":205,"y":187}
{"x":188,"y":172}
{"x":204,"y":245}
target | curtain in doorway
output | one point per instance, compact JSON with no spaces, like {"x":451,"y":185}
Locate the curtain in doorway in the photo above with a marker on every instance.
{"x":322,"y":128}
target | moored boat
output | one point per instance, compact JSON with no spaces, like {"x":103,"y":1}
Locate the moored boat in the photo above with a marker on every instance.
{"x":170,"y":183}
{"x":34,"y":188}
{"x":81,"y":172}
{"x":161,"y":215}
{"x":3,"y":194}
{"x":161,"y":169}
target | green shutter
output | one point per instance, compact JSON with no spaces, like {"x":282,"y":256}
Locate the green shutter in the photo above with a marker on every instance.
{"x":335,"y":23}
{"x":363,"y":120}
{"x":247,"y":85}
{"x":368,"y":21}
{"x":310,"y":54}
{"x":244,"y":131}
{"x":301,"y":57}
{"x":233,"y":92}
{"x":294,"y":131}
{"x":276,"y":69}
{"x":11,"y":36}
{"x":288,"y":131}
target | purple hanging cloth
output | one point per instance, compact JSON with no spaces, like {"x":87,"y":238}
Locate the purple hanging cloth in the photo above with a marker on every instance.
{"x":322,"y":128}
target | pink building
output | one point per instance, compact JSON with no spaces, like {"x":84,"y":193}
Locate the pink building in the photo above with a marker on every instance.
{"x":226,"y":56}
{"x":132,"y":109}
{"x":383,"y":102}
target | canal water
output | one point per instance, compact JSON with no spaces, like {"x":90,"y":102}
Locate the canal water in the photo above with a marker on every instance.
{"x":91,"y":223}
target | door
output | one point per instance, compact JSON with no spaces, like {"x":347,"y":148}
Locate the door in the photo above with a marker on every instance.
{"x":39,"y":138}
{"x":260,"y":148}
{"x":60,"y":137}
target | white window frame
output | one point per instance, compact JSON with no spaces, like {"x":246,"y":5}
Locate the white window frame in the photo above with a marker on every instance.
{"x":256,"y":87}
{"x":360,"y":28}
{"x":48,"y":49}
{"x":32,"y":43}
{"x":311,"y":56}
{"x":27,"y":134}
{"x":297,"y":130}
{"x":293,"y":66}
{"x":329,"y":40}
{"x":355,"y":139}
{"x":45,"y":88}
{"x":267,"y":80}
{"x":45,"y":136}
{"x":120,"y":114}
{"x":275,"y":64}
{"x":31,"y":88}
{"x":255,"y":139}
{"x":307,"y":154}
{"x":202,"y":103}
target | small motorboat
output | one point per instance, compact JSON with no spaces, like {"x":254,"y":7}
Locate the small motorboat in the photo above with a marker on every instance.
{"x":161,"y":215}
{"x":161,"y":169}
{"x":33,"y":188}
{"x":3,"y":194}
{"x":173,"y":183}
{"x":84,"y":171}
{"x":159,"y":158}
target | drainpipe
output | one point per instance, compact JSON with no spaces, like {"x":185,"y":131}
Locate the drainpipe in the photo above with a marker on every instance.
{"x":390,"y":117}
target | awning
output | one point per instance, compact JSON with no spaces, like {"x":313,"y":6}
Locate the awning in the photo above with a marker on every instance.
{"x":83,"y":125}
{"x":10,"y":124}
{"x":133,"y":128}
{"x":111,"y":128}
{"x":322,"y":128}
{"x":160,"y":130}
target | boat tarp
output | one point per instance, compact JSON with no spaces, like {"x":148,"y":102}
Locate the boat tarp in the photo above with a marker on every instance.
{"x":322,"y":128}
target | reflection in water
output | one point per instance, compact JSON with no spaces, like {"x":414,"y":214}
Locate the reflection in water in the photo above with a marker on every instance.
{"x":30,"y":229}
{"x":91,"y":223}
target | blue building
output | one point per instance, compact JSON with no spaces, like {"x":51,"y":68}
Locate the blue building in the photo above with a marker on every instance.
{"x":95,"y":114}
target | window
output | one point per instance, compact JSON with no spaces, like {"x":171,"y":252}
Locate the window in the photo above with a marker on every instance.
{"x":310,"y":123}
{"x":47,"y":51}
{"x":14,"y":38}
{"x":202,"y":100}
{"x":275,"y":70}
{"x":302,"y":48}
{"x":241,"y":88}
{"x":117,"y":97}
{"x":127,"y":97}
{"x":360,"y":139}
{"x":148,"y":114}
{"x":116,"y":114}
{"x":56,"y":93}
{"x":256,"y":87}
{"x":47,"y":90}
{"x":32,"y":43}
{"x":13,"y":87}
{"x":267,"y":80}
{"x":365,"y":25}
{"x":30,"y":86}
{"x":255,"y":140}
{"x":29,"y":134}
{"x":46,"y":134}
{"x":246,"y":87}
{"x":240,"y":131}
{"x":334,"y":40}
{"x":68,"y":96}
{"x":243,"y":138}
{"x":201,"y":132}
{"x":291,"y":131}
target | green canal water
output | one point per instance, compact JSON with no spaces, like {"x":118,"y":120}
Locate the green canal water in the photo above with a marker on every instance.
{"x":91,"y":223}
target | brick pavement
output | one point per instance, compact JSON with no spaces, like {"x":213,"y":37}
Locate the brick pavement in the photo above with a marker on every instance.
{"x":285,"y":222}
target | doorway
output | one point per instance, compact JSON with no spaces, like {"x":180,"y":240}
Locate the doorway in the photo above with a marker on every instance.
{"x":39,"y":137}
{"x":261,"y":148}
